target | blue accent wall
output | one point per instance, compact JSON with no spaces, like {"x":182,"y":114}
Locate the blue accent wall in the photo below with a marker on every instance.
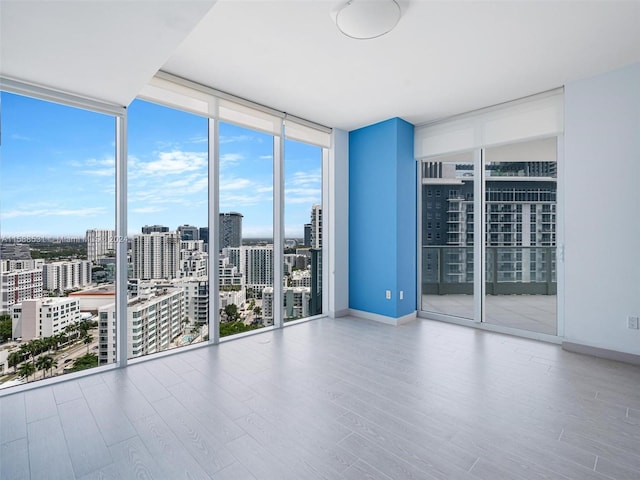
{"x":382,"y":218}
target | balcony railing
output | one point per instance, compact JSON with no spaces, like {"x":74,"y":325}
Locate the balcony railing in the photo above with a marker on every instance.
{"x":448,"y":270}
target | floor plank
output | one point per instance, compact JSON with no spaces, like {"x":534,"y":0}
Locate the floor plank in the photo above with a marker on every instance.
{"x":336,"y":399}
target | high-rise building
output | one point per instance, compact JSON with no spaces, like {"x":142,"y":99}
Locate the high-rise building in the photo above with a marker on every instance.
{"x":155,"y":229}
{"x":188,"y":232}
{"x":520,"y":215}
{"x":255,"y":264}
{"x":100,"y":244}
{"x":203,"y":234}
{"x":19,"y":285}
{"x":68,"y":275}
{"x":307,"y":234}
{"x":230,"y":228}
{"x":316,"y":226}
{"x":156,"y":255}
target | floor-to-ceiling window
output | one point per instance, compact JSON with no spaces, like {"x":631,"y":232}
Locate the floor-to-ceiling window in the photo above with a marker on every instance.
{"x":58,"y":242}
{"x":245,"y":230}
{"x":169,"y":258}
{"x":520,"y":238}
{"x":489,"y":227}
{"x":128,"y":232}
{"x":302,"y":287}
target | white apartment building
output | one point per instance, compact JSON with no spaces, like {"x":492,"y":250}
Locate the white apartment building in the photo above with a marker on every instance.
{"x":19,"y":285}
{"x":193,"y":264}
{"x":63,"y":276}
{"x":43,"y":317}
{"x":196,"y":298}
{"x":154,"y":319}
{"x":7,"y":265}
{"x":156,"y":255}
{"x":296,"y":303}
{"x":100,"y":243}
{"x":255,"y":264}
{"x":300,"y":278}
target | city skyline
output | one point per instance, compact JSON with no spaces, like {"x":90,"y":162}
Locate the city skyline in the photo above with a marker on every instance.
{"x":167,"y":172}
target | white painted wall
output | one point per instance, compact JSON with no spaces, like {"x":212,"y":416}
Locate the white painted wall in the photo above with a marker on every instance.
{"x":602,"y":209}
{"x":338,"y":238}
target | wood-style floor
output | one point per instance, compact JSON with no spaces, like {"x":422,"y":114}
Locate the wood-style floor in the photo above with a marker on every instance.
{"x":336,"y":399}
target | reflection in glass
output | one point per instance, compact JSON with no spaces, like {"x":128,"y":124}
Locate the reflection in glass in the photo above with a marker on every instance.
{"x":447,"y":236}
{"x":521,"y":236}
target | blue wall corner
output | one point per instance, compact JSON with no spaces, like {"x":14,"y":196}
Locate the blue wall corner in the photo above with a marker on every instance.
{"x":382,"y":218}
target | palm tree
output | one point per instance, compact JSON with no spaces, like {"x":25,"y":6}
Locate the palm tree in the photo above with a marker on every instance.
{"x":41,"y":364}
{"x":87,"y":339}
{"x":26,"y":369}
{"x":13,"y":359}
{"x":46,"y":362}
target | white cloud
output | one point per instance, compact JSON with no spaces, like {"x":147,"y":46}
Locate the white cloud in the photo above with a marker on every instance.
{"x":228,"y":158}
{"x":147,"y":210}
{"x":49,"y":212}
{"x":17,"y":136}
{"x":266,"y":157}
{"x":171,"y":163}
{"x":233,"y":139}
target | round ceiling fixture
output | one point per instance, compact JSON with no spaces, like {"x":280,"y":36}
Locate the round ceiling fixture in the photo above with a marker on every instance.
{"x":366,"y":19}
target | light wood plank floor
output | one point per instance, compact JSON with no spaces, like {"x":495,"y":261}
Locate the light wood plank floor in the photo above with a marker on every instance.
{"x":336,"y":399}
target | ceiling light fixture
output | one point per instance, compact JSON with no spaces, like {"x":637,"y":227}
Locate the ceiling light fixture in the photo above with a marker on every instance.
{"x":366,"y":19}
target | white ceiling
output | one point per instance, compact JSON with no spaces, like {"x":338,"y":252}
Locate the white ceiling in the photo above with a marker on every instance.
{"x":443,"y":58}
{"x":101,"y":49}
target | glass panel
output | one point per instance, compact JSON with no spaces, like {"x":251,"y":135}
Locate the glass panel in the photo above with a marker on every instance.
{"x":168,"y":229}
{"x":521,"y":238}
{"x":57,"y":201}
{"x":447,"y":236}
{"x":246,"y":229}
{"x":303,"y":231}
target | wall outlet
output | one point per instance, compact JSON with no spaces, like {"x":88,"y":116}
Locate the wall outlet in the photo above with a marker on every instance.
{"x":388,"y":294}
{"x":401,"y":295}
{"x":634,"y":322}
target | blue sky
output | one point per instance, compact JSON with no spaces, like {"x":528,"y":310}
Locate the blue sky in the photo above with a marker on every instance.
{"x":57,"y":171}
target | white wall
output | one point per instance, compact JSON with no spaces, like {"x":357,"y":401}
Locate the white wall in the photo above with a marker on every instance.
{"x":602,"y":210}
{"x":338,"y":239}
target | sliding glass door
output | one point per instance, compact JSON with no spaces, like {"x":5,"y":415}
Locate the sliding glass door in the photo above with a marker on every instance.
{"x":506,"y":196}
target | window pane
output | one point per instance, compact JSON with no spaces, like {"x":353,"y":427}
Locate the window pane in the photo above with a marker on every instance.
{"x":168,"y":229}
{"x":303,"y":231}
{"x":521,"y":236}
{"x":246,"y":229}
{"x":57,"y":207}
{"x":447,"y":236}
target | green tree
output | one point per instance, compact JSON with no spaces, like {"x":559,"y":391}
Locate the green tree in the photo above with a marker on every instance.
{"x":45,"y":362}
{"x":87,"y":339}
{"x":231,"y":328}
{"x":13,"y":359}
{"x":257,"y":311}
{"x":231,"y":312}
{"x":89,"y":360}
{"x":26,"y":369}
{"x":5,"y":328}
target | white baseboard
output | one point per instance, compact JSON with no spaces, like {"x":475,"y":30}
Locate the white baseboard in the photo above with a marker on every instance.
{"x":383,"y":318}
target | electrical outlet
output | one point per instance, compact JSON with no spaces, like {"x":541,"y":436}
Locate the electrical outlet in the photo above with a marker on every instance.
{"x":634,"y":323}
{"x":388,"y":294}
